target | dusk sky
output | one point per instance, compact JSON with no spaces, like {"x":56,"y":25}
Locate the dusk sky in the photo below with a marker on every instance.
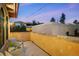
{"x":43,"y":12}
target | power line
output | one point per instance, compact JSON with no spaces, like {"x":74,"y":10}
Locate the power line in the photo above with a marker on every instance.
{"x":33,"y":14}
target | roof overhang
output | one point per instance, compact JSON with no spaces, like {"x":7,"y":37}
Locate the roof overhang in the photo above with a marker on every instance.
{"x":12,"y":9}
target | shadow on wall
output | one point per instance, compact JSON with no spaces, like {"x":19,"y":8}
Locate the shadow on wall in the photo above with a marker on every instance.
{"x":76,"y":33}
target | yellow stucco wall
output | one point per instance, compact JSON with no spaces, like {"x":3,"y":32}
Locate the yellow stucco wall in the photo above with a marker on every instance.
{"x":55,"y":45}
{"x":23,"y":36}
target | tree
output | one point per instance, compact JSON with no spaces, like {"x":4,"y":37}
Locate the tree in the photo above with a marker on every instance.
{"x":38,"y":23}
{"x":75,"y":22}
{"x":16,"y":28}
{"x":23,"y":28}
{"x":52,"y":19}
{"x":62,"y":19}
{"x":34,"y":22}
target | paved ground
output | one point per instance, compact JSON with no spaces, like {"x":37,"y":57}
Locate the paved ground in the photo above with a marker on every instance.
{"x":30,"y":49}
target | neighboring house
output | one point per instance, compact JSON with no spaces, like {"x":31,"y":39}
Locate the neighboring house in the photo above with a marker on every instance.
{"x":28,"y":25}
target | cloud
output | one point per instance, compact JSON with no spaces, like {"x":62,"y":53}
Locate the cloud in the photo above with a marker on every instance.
{"x":43,"y":17}
{"x":17,"y":19}
{"x":46,"y":16}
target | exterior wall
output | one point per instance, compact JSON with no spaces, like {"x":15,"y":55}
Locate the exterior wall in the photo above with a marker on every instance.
{"x":52,"y":44}
{"x":56,"y":45}
{"x":55,"y":29}
{"x":4,"y":23}
{"x":21,"y":36}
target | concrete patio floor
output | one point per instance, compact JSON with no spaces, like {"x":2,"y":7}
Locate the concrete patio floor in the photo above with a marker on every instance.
{"x":29,"y":49}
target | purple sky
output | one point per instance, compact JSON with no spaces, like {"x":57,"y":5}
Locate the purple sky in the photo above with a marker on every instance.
{"x":30,"y":11}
